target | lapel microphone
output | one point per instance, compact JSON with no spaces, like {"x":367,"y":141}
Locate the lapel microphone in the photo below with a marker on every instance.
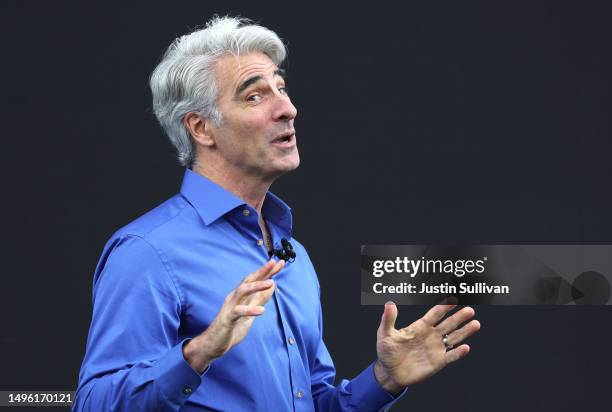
{"x":286,"y":253}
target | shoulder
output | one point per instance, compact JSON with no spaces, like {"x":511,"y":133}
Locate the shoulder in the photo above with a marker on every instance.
{"x":135,"y":258}
{"x":162,"y":227}
{"x":162,"y":216}
{"x":142,"y":244}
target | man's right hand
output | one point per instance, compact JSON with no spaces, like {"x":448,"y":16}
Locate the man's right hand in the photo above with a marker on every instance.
{"x":235,"y":317}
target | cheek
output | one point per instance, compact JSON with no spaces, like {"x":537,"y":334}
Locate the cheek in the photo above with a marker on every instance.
{"x":243,"y":142}
{"x":244,"y":132}
{"x":251,"y":126}
{"x":244,"y":119}
{"x":251,"y":134}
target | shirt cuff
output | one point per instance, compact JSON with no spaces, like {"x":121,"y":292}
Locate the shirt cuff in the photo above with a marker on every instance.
{"x":367,"y":393}
{"x":177,"y":380}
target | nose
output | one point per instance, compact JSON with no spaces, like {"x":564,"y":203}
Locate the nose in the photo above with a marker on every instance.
{"x":284,"y":109}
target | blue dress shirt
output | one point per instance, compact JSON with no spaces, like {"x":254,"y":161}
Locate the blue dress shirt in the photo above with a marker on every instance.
{"x":161,"y":281}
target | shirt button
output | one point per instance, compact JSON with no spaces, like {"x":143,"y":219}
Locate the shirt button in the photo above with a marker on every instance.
{"x":300,"y":394}
{"x":246,"y":212}
{"x":187,"y":390}
{"x":259,"y":242}
{"x":291,"y":340}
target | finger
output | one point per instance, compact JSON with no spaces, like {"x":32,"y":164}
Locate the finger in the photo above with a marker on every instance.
{"x":456,"y":354}
{"x":387,"y":322}
{"x":465,"y":332}
{"x":260,"y":274}
{"x":449,"y":300}
{"x":435,"y":314}
{"x":241,"y":311}
{"x":277,"y":268}
{"x":261,"y":297}
{"x":246,"y":289}
{"x":452,"y":322}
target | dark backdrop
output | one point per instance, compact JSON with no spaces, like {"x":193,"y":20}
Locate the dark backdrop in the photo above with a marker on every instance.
{"x":434,"y":122}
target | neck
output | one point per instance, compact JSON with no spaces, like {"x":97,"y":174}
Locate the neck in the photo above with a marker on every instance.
{"x":251,"y":189}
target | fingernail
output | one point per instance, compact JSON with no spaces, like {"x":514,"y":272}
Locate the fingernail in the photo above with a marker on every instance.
{"x":390,"y":302}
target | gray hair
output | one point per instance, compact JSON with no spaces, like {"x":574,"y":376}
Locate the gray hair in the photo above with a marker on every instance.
{"x":184,"y":81}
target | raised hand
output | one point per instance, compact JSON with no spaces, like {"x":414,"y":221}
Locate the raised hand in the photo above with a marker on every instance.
{"x":235,"y":317}
{"x":412,"y":354}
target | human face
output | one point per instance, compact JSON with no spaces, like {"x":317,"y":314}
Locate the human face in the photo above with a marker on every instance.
{"x":256,"y":137}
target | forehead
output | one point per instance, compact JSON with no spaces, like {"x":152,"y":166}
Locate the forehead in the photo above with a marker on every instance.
{"x":232,"y":70}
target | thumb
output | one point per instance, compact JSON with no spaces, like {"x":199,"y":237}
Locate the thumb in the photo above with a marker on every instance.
{"x":387,"y":323}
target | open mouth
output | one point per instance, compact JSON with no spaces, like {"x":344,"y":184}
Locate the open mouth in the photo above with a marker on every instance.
{"x":285,"y":140}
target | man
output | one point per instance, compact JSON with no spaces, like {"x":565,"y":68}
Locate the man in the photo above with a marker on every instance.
{"x":176,"y":325}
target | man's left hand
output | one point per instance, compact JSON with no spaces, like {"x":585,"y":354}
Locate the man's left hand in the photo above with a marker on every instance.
{"x":412,"y":354}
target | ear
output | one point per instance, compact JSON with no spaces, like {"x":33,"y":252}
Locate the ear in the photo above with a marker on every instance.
{"x":199,"y":128}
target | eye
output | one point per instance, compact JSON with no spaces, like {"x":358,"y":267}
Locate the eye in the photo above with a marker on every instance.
{"x":253,"y":98}
{"x":283,"y":90}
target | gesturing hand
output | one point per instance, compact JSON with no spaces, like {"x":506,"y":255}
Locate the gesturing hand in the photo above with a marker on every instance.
{"x":412,"y":354}
{"x":235,"y":317}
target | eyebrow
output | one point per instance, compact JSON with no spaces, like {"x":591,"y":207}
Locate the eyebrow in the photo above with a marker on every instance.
{"x":245,"y":84}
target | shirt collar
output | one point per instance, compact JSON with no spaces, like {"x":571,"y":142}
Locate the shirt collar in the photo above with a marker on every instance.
{"x":211,"y":201}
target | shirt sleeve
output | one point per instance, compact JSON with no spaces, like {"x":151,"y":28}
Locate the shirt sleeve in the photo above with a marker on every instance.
{"x":134,"y":360}
{"x":362,"y":393}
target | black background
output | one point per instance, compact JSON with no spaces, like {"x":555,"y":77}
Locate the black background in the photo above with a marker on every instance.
{"x":434,"y":122}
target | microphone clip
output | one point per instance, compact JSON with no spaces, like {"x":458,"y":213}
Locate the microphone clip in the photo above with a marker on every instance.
{"x":285,"y":253}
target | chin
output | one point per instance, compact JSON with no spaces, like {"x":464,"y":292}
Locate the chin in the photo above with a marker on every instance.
{"x":287,"y":165}
{"x":294,"y":163}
